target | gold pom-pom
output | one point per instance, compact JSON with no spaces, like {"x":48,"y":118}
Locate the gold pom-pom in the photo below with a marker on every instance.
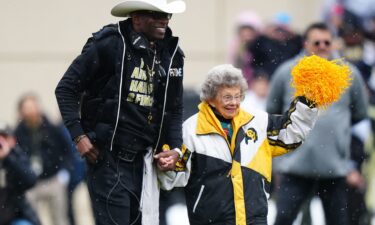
{"x":320,"y":80}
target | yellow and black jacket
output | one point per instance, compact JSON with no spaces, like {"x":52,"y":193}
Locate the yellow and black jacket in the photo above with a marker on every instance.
{"x":227,"y":182}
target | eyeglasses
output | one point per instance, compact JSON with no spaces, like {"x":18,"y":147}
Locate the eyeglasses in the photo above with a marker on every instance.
{"x":226,"y":99}
{"x":317,"y":43}
{"x":156,"y":15}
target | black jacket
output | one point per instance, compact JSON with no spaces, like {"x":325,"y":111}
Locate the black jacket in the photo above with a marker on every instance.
{"x":268,"y":53}
{"x":47,"y":144}
{"x":89,"y":92}
{"x":19,"y":177}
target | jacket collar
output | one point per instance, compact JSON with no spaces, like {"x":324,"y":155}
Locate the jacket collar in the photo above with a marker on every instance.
{"x":208,"y":123}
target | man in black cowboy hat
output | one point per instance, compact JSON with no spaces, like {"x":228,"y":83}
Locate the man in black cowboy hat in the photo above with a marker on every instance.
{"x":121,"y":99}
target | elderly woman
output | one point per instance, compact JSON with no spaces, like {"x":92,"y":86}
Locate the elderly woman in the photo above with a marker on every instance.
{"x":228,"y":152}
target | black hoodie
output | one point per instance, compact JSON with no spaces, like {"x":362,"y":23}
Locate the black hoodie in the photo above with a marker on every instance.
{"x":89,"y":92}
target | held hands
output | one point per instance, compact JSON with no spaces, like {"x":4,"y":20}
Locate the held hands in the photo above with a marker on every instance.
{"x":167,"y":160}
{"x":87,"y":150}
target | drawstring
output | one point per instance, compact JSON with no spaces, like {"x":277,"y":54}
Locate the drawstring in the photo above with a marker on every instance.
{"x":124,"y":186}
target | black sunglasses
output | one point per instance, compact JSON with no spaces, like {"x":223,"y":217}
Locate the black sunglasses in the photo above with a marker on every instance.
{"x":156,"y":15}
{"x":327,"y":43}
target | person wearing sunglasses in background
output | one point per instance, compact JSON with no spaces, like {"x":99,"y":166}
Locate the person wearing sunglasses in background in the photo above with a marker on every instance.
{"x":120,"y":100}
{"x":322,"y":164}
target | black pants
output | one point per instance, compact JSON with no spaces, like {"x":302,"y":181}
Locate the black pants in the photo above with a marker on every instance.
{"x":115,"y":187}
{"x":294,"y":190}
{"x":357,"y":209}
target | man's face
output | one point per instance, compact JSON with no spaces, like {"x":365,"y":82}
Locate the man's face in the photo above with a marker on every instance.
{"x":30,"y":112}
{"x":152,"y":24}
{"x":319,"y":42}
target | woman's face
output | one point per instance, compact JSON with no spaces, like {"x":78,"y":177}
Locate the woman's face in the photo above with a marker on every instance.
{"x":227,"y":101}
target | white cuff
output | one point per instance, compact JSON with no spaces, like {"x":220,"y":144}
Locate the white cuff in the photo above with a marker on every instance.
{"x":179,"y":152}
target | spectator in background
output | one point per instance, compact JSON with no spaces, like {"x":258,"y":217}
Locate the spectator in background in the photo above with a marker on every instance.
{"x":335,"y":18}
{"x":352,"y":40}
{"x":277,"y":44}
{"x":361,"y":11}
{"x":369,"y":167}
{"x":248,"y":26}
{"x":370,"y":32}
{"x":49,"y":152}
{"x":16,"y":177}
{"x":360,"y":51}
{"x":357,"y":209}
{"x":256,"y":95}
{"x":356,"y":48}
{"x":322,"y":163}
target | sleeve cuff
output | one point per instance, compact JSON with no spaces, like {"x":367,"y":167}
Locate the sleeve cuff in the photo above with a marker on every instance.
{"x":75,"y":130}
{"x":179,"y":152}
{"x":308,"y":102}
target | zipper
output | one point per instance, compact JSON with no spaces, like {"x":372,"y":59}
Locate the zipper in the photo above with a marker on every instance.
{"x":120,"y":90}
{"x":165,"y":98}
{"x":264,"y":189}
{"x":198,"y":198}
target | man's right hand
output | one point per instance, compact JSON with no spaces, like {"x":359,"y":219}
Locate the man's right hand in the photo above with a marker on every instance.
{"x":88,"y":150}
{"x":355,"y":179}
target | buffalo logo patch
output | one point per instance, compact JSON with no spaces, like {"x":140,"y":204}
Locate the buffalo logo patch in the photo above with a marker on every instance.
{"x":181,"y":164}
{"x":251,"y":134}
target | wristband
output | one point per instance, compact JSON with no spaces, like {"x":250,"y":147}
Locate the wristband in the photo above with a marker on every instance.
{"x":79,"y":138}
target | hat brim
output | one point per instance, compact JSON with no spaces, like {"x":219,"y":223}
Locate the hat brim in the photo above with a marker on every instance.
{"x":125,"y":8}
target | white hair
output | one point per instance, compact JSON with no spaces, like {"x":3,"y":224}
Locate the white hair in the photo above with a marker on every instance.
{"x":220,"y":76}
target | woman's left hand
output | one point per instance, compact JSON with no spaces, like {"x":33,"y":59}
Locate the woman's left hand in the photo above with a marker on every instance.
{"x":167,"y":160}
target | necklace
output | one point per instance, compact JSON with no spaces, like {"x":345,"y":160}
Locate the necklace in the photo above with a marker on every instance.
{"x":150,"y":74}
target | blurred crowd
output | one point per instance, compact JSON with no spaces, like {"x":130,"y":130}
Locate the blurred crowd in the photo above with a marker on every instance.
{"x":49,"y":171}
{"x":40,"y":168}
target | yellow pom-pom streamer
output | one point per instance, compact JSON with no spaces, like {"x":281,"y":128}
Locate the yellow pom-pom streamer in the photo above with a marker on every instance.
{"x":320,"y":80}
